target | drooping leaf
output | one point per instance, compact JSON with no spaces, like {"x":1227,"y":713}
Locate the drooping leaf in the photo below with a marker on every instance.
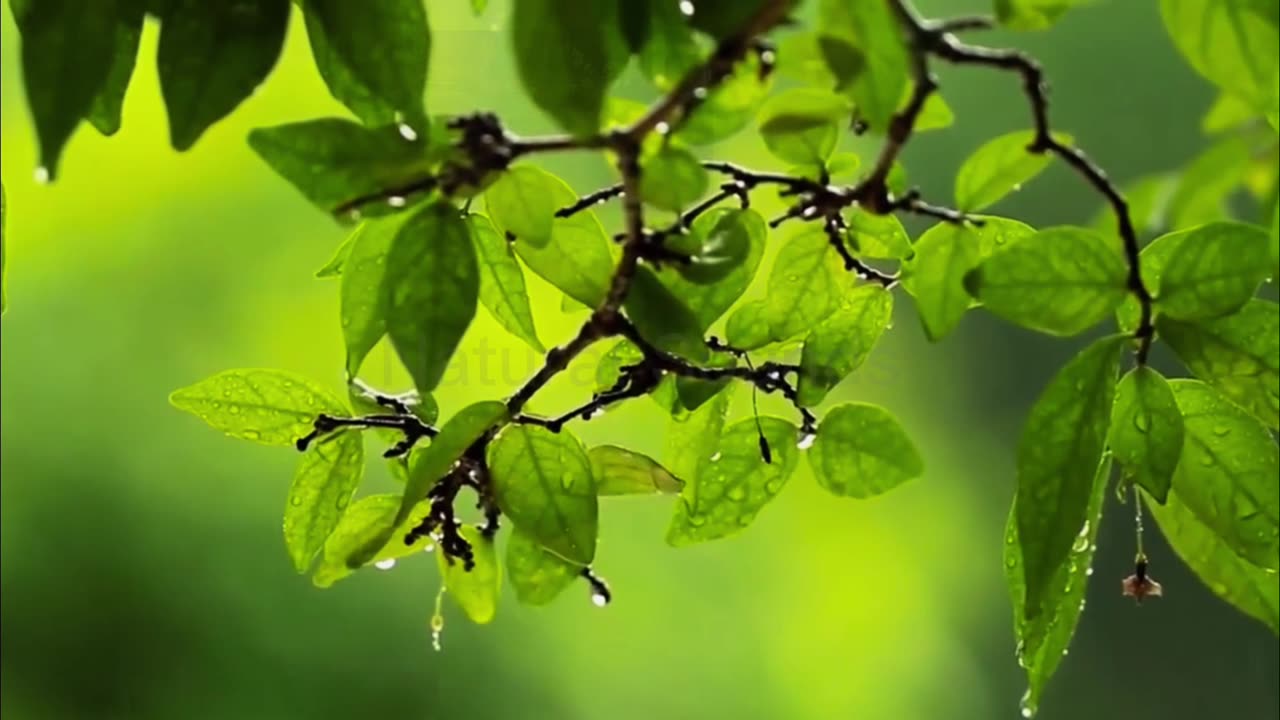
{"x":1238,"y":354}
{"x":567,"y":60}
{"x":363,"y":296}
{"x":366,"y":519}
{"x":1232,"y":43}
{"x":1146,"y":430}
{"x":272,"y":407}
{"x":432,"y":283}
{"x":861,"y":451}
{"x":476,"y":590}
{"x":326,"y":478}
{"x":1213,"y":271}
{"x":334,"y":162}
{"x":802,"y":125}
{"x":1251,"y":589}
{"x":372,"y":56}
{"x":1032,"y":14}
{"x":619,"y":471}
{"x":537,"y":574}
{"x":730,"y":248}
{"x":1043,"y":638}
{"x":524,"y":200}
{"x":1060,"y":281}
{"x":543,"y":483}
{"x":863,"y":45}
{"x":502,"y":288}
{"x":105,"y":112}
{"x":1058,"y":455}
{"x":662,"y":318}
{"x":333,"y":268}
{"x":999,"y":167}
{"x":576,"y":259}
{"x":211,"y":58}
{"x":806,"y":284}
{"x":672,"y":179}
{"x":735,"y":483}
{"x":67,"y":52}
{"x":1229,"y":475}
{"x":842,"y":342}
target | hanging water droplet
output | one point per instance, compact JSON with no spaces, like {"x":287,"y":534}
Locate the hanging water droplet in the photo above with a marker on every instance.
{"x":662,"y":128}
{"x":1026,"y":705}
{"x":1088,"y":571}
{"x":806,"y":441}
{"x":42,"y":175}
{"x":396,"y":201}
{"x":599,"y":599}
{"x":437,"y":620}
{"x":686,"y":8}
{"x":385,"y":564}
{"x":407,"y":132}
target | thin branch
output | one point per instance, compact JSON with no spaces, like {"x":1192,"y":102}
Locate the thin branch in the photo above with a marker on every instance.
{"x":834,"y":227}
{"x":600,"y":196}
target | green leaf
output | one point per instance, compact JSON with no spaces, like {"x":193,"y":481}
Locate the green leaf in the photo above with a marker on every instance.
{"x":673,"y":179}
{"x":609,"y":368}
{"x":728,"y":108}
{"x":476,"y":590}
{"x":1148,"y":198}
{"x":427,"y":466}
{"x":861,"y":451}
{"x":730,"y":246}
{"x":333,"y":268}
{"x":334,"y":162}
{"x":1232,"y":43}
{"x":271,"y":407}
{"x":524,"y":200}
{"x":619,"y":471}
{"x":1238,"y":354}
{"x":1206,"y":184}
{"x":1043,"y":639}
{"x":999,"y":167}
{"x":1227,"y":113}
{"x":1214,"y":271}
{"x":1151,"y":260}
{"x":670,"y":49}
{"x":4,"y":298}
{"x":802,"y":125}
{"x":366,"y":519}
{"x":576,"y":260}
{"x":1146,"y":430}
{"x":326,"y":478}
{"x":105,"y":112}
{"x":936,"y":114}
{"x":878,"y":237}
{"x":662,"y":318}
{"x":1228,"y":473}
{"x":67,"y":53}
{"x":502,"y":288}
{"x":1058,"y":455}
{"x":805,"y":286}
{"x":1032,"y":14}
{"x":1060,"y":281}
{"x":1251,"y":589}
{"x":842,"y":342}
{"x":748,"y":326}
{"x":212,"y":56}
{"x":432,"y":283}
{"x":694,"y":439}
{"x":735,"y":483}
{"x":363,"y":296}
{"x":543,"y":484}
{"x":722,"y":18}
{"x":863,"y":43}
{"x":537,"y":574}
{"x":372,"y":56}
{"x":567,"y":60}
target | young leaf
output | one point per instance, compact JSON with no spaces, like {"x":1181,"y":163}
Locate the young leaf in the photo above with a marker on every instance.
{"x":1251,"y":589}
{"x":1232,"y":43}
{"x":366,"y":519}
{"x":1058,"y":455}
{"x":502,"y":288}
{"x":326,"y":478}
{"x":271,"y":407}
{"x":567,"y":60}
{"x":945,"y":253}
{"x":363,"y":296}
{"x":673,"y":179}
{"x":728,"y":108}
{"x":728,"y":257}
{"x":372,"y":56}
{"x":1228,"y":473}
{"x":333,"y":162}
{"x":842,"y":342}
{"x":1043,"y":639}
{"x":861,"y":451}
{"x":1060,"y":281}
{"x":67,"y":51}
{"x":1238,"y":354}
{"x":543,"y":483}
{"x":1152,"y":260}
{"x":105,"y":112}
{"x":432,"y":283}
{"x":1146,"y":430}
{"x":878,"y":237}
{"x":735,"y":483}
{"x":537,"y":574}
{"x":576,"y":260}
{"x":475,"y":590}
{"x":805,"y":286}
{"x":523,"y":201}
{"x":863,"y":45}
{"x":999,"y":167}
{"x":1032,"y":14}
{"x":212,"y":56}
{"x":619,"y":471}
{"x":802,"y":125}
{"x":1214,"y":271}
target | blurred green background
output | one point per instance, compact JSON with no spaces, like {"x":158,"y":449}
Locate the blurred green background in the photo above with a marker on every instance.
{"x":144,"y":575}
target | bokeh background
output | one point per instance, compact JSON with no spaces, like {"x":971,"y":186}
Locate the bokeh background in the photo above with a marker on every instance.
{"x":144,"y":575}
